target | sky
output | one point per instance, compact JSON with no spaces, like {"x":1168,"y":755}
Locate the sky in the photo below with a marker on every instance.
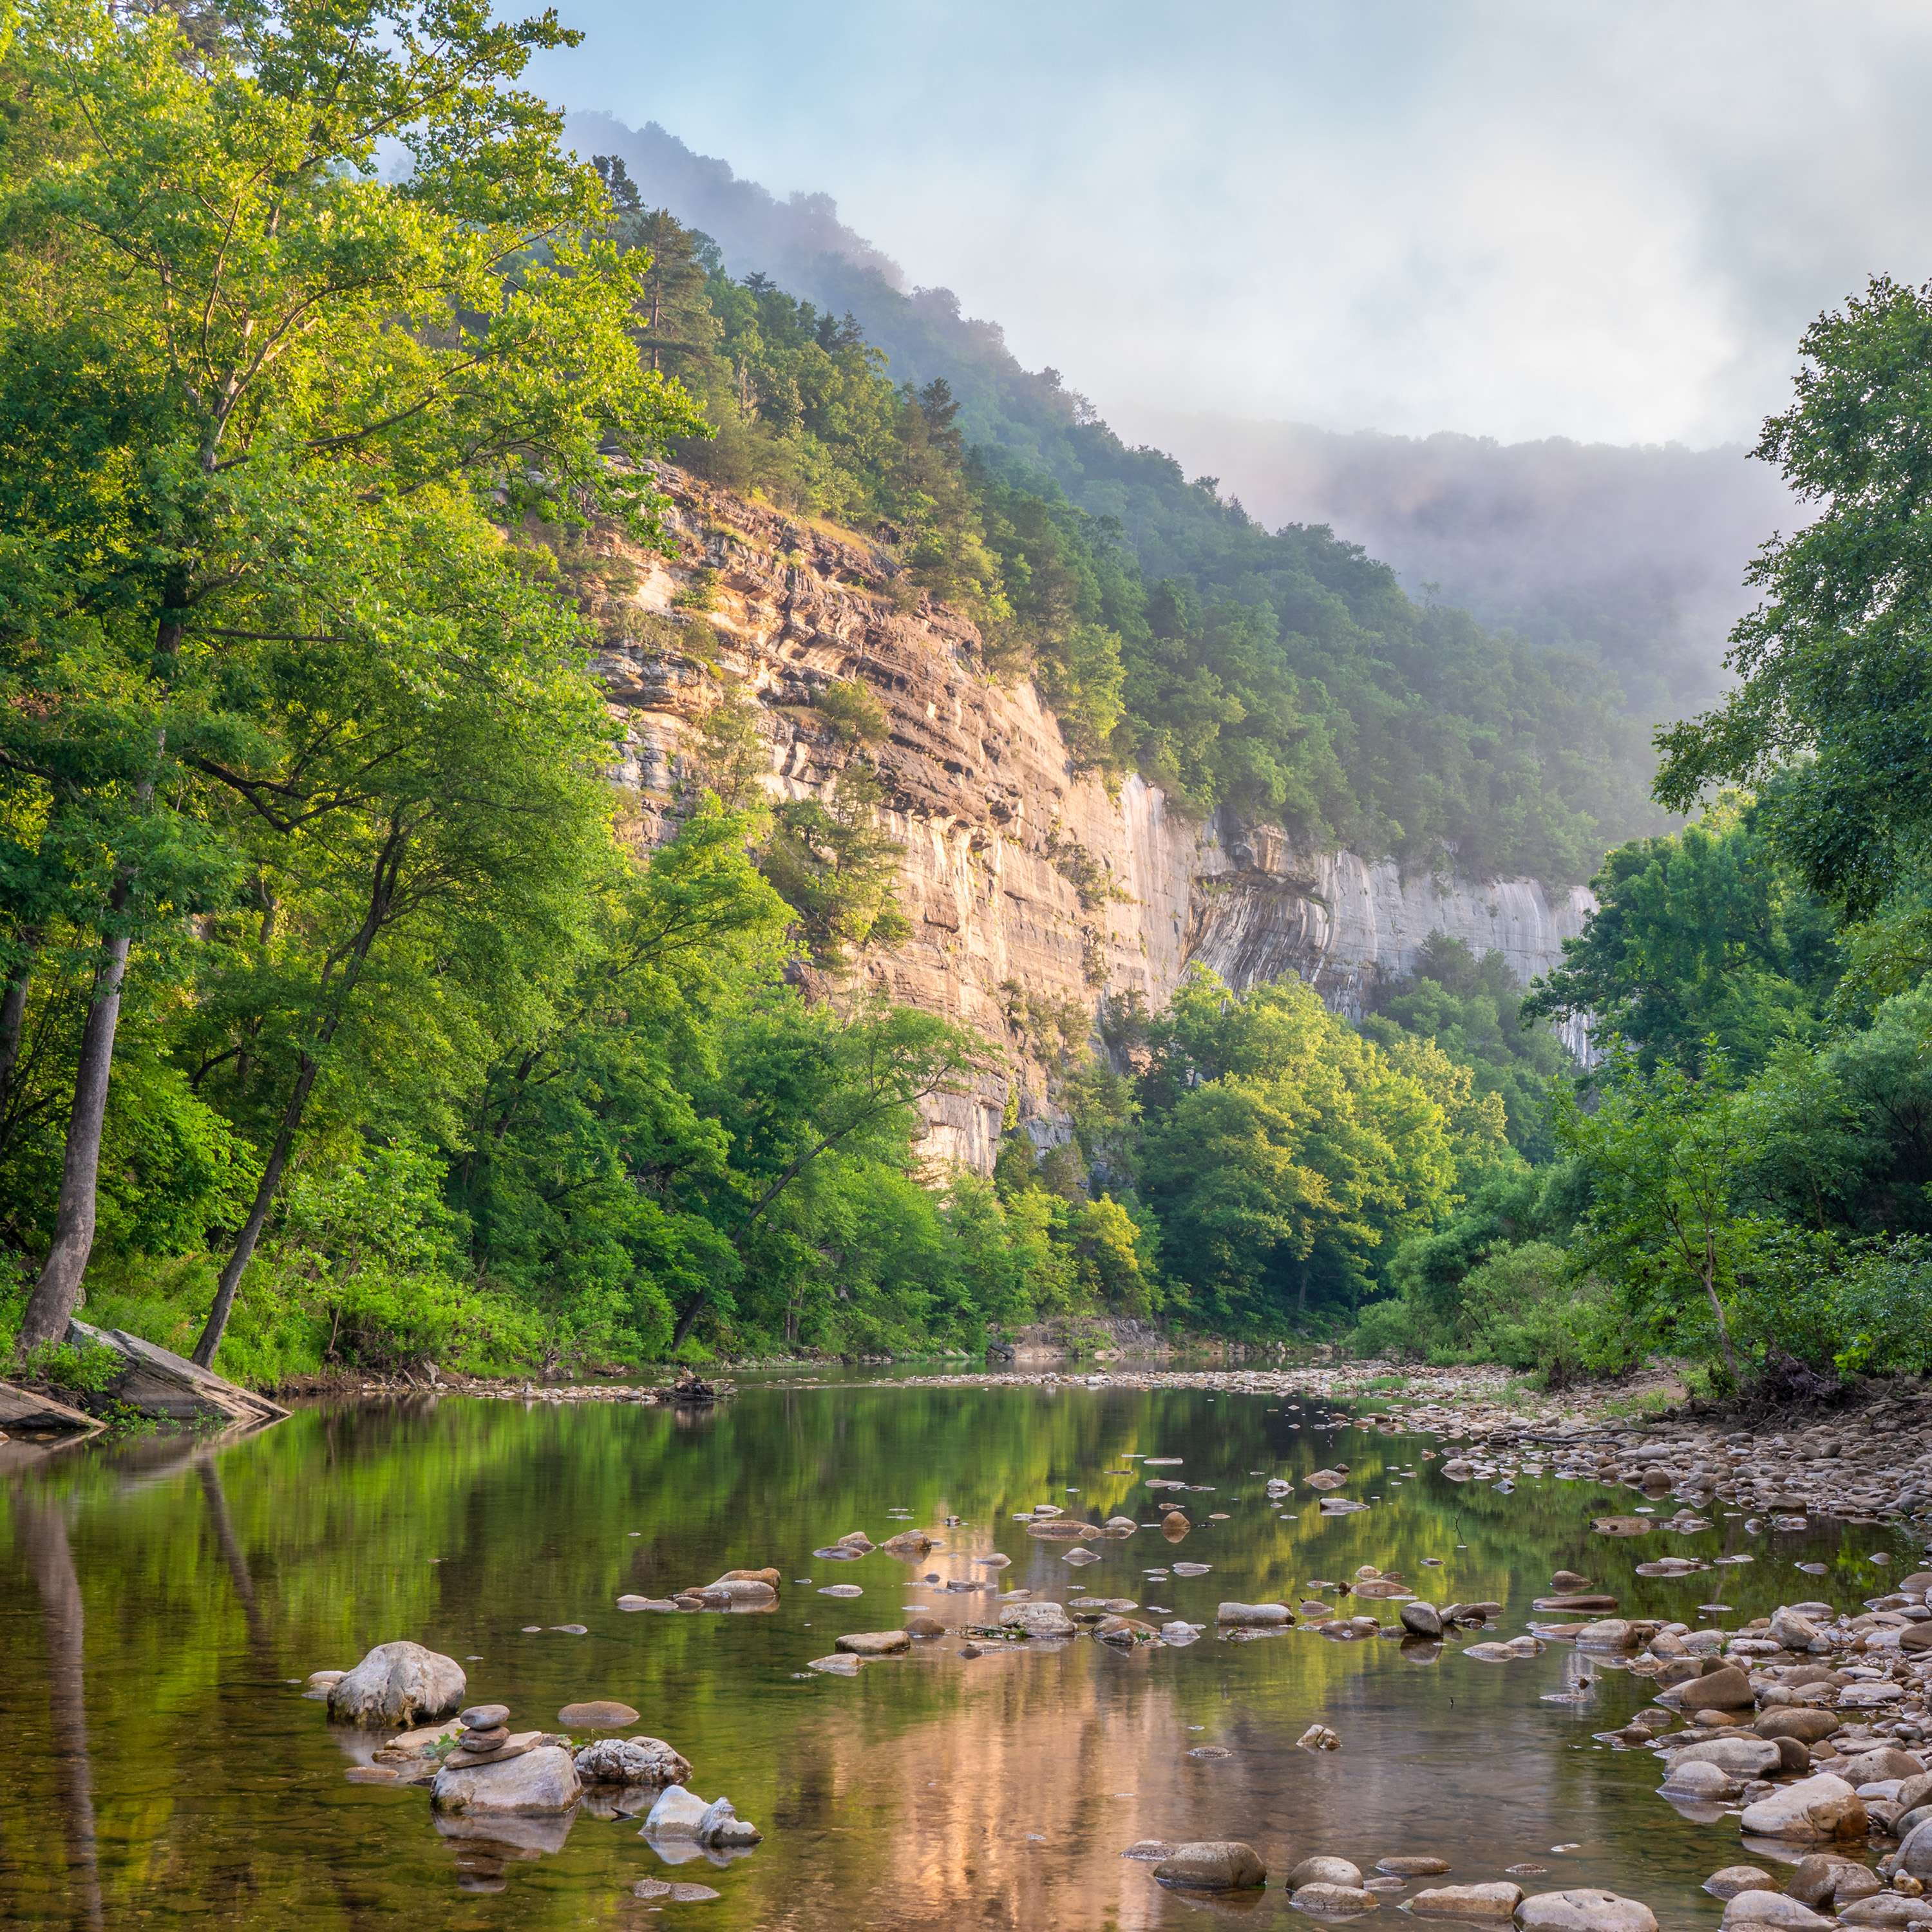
{"x":1515,"y":218}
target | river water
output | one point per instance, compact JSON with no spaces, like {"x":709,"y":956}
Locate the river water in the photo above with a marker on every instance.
{"x":157,"y":1599}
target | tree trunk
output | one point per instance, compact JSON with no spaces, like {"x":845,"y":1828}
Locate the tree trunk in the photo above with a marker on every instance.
{"x":57,"y":1293}
{"x":1723,"y":1329}
{"x":13,"y":1023}
{"x":265,"y":1189}
{"x":382,"y":903}
{"x":687,"y":1321}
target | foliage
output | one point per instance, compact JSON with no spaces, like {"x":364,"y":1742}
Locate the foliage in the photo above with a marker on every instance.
{"x":1472,"y":1009}
{"x":1699,"y":935}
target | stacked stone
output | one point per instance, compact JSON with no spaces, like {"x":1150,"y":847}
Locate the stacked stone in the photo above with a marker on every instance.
{"x":486,"y":1738}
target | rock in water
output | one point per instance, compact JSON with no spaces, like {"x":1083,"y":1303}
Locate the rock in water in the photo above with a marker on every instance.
{"x":599,"y":1714}
{"x":1892,"y":1910}
{"x":676,"y":1814}
{"x":1220,"y":1864}
{"x":1038,"y":1619}
{"x":1735,"y":1879}
{"x":720,"y":1828}
{"x":533,"y":1784}
{"x":1584,"y":1910}
{"x":631,"y":1761}
{"x":1319,"y":1870}
{"x":1815,"y":1810}
{"x":1775,"y":1908}
{"x":875,"y":1643}
{"x":1497,"y":1900}
{"x":1334,"y":1901}
{"x":1253,"y":1614}
{"x":1421,"y":1619}
{"x":396,"y":1684}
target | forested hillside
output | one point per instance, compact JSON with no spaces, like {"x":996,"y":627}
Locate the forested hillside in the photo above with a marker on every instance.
{"x":1284,"y":671}
{"x":351,"y":1020}
{"x":1629,"y":558}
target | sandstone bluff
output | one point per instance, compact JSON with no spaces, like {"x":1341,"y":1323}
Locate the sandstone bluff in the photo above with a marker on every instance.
{"x":1028,"y":884}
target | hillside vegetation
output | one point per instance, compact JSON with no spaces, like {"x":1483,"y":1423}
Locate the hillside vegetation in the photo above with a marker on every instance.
{"x":347,"y":1022}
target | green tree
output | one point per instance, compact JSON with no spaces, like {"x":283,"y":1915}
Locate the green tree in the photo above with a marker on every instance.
{"x":1833,"y":693}
{"x":292,"y":343}
{"x":1701,"y":935}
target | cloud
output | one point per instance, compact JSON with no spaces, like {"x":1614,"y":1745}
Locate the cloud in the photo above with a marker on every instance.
{"x":1498,"y":217}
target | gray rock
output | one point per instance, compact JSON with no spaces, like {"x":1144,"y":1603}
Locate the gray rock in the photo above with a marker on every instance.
{"x":631,"y":1761}
{"x":1319,"y":1870}
{"x":534,"y":1784}
{"x":1735,"y":1879}
{"x":1915,"y":1853}
{"x":1218,"y":1864}
{"x":1773,"y":1908}
{"x":1584,"y":1910}
{"x":878,"y":1643}
{"x":1044,"y":1619}
{"x":1498,"y":1899}
{"x":677,"y":1814}
{"x":396,"y":1684}
{"x":1742,"y":1757}
{"x":1816,"y":1810}
{"x":1886,"y":1909}
{"x":1421,"y":1619}
{"x":1334,"y":1901}
{"x":720,"y":1828}
{"x":483,"y":1717}
{"x":1254,"y":1614}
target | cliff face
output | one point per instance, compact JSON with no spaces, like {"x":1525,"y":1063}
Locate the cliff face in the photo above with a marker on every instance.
{"x":1031,"y":890}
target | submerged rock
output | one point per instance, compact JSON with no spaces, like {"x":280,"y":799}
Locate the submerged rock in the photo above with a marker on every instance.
{"x":1498,"y":1899}
{"x":597,"y":1714}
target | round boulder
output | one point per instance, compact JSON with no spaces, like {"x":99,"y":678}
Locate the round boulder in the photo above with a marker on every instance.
{"x":1584,"y":1910}
{"x":396,"y":1684}
{"x":1735,"y":1879}
{"x":1215,"y":1865}
{"x":1320,"y":1870}
{"x":1819,"y":1811}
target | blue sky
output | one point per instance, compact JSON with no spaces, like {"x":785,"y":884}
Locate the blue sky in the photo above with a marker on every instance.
{"x":1514,"y":218}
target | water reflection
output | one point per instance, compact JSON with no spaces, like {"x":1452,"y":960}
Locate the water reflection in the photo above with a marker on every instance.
{"x":193,"y":1581}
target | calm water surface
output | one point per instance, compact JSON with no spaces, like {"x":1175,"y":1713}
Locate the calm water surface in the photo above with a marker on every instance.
{"x":156,"y":1600}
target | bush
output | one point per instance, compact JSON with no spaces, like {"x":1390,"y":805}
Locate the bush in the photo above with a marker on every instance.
{"x":1391,"y":1330}
{"x":851,"y":712}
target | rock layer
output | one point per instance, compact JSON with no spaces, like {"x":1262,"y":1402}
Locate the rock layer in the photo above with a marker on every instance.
{"x":1031,"y":888}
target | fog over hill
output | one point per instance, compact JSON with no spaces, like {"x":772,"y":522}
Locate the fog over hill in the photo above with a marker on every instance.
{"x":1636,"y":553}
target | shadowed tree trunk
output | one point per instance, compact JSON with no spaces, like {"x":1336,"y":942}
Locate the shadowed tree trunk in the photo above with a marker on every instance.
{"x":57,"y":1293}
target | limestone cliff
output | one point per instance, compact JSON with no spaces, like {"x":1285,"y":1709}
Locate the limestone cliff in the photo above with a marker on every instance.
{"x":1030,"y":887}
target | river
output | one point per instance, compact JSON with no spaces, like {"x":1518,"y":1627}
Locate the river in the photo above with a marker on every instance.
{"x":162,"y":1601}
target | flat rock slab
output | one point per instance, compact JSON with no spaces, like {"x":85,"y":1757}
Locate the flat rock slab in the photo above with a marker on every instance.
{"x":676,"y":1891}
{"x":32,"y":1414}
{"x":873,"y":1643}
{"x":537,"y":1784}
{"x":1498,"y":1899}
{"x":158,"y":1382}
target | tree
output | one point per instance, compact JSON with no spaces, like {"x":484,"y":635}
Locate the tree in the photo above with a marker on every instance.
{"x":287,"y":342}
{"x":1663,"y":1154}
{"x":1703,"y":934}
{"x":1835,"y":689}
{"x":1283,"y":1150}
